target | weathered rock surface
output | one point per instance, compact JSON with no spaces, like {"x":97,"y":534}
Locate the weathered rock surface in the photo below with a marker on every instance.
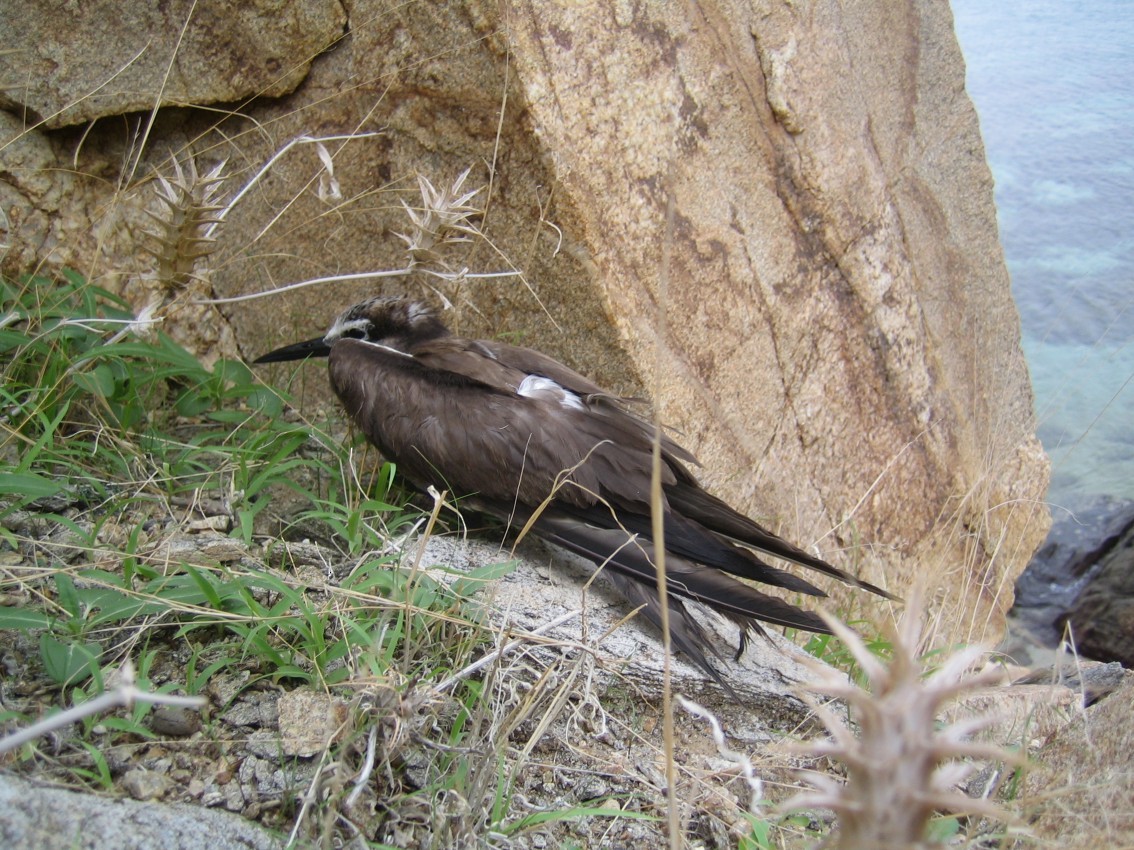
{"x":33,"y":817}
{"x":75,"y":62}
{"x":1102,"y":617}
{"x":549,"y":584}
{"x":1058,"y":573}
{"x":841,"y":337}
{"x":803,"y":188}
{"x":1080,"y":783}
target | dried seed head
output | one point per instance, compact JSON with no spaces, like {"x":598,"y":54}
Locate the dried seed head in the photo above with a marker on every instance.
{"x":443,"y":219}
{"x":902,"y":766}
{"x":188,"y":205}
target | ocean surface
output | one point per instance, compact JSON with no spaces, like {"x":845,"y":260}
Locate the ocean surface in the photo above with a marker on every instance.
{"x":1053,"y":82}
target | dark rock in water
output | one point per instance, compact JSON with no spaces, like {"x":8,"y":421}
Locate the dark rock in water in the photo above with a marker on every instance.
{"x":1102,"y":617}
{"x":1059,"y":574}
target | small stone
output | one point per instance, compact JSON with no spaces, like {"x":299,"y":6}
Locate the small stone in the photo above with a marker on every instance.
{"x":224,"y":772}
{"x":415,"y":768}
{"x":252,"y":709}
{"x":225,"y":687}
{"x":264,"y":743}
{"x":144,"y":784}
{"x":174,"y":722}
{"x":248,"y":770}
{"x":310,"y":721}
{"x":591,"y":788}
{"x":233,"y":797}
{"x":210,"y":523}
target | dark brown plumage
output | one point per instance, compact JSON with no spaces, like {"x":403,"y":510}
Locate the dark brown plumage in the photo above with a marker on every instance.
{"x":504,"y":428}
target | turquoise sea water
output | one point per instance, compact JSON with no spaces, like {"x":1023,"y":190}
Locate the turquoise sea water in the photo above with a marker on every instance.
{"x":1053,"y":82}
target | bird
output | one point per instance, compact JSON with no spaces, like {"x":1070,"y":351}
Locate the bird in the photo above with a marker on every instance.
{"x":520,"y":437}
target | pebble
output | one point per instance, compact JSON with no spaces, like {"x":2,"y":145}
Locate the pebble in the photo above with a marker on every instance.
{"x":142,"y":784}
{"x":174,"y":722}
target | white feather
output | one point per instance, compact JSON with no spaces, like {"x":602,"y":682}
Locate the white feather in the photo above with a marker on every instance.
{"x":539,"y":387}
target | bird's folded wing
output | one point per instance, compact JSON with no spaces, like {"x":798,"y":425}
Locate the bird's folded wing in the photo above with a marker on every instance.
{"x":504,"y":367}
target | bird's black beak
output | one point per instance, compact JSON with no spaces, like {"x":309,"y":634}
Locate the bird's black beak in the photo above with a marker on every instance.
{"x":296,"y":351}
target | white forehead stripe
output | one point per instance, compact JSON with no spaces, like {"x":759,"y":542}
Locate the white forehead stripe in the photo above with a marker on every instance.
{"x":344,"y":325}
{"x":539,"y":387}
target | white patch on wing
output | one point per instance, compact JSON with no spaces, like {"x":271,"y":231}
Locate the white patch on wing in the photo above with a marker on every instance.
{"x":539,"y":387}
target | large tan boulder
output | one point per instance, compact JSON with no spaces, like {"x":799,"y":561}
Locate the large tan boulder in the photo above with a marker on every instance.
{"x":841,"y":342}
{"x":775,"y":220}
{"x":68,"y":63}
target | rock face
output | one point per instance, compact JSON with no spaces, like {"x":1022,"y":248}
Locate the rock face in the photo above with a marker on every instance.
{"x":841,"y":338}
{"x":34,"y":817}
{"x":75,"y":62}
{"x":1102,"y":617}
{"x":775,"y":220}
{"x":1068,"y":570}
{"x":1078,"y":787}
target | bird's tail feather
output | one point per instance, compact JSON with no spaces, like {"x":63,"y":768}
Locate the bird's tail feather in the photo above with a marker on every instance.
{"x":629,"y":565}
{"x":695,"y":542}
{"x":626,"y":553}
{"x":692,"y":502}
{"x":631,"y":555}
{"x":685,"y":632}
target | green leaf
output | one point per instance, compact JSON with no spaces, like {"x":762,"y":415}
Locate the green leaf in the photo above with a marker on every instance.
{"x":941,"y":829}
{"x":128,"y":725}
{"x":198,"y":588}
{"x":28,"y":484}
{"x":99,"y":381}
{"x":207,"y":585}
{"x":45,"y":438}
{"x":68,"y":662}
{"x":200,"y":405}
{"x":233,"y":372}
{"x":475,"y":580}
{"x":68,"y":595}
{"x":23,"y":618}
{"x":759,"y":836}
{"x":10,"y":339}
{"x":266,"y":400}
{"x":190,"y":405}
{"x":101,"y":775}
{"x":196,"y":679}
{"x":578,"y":812}
{"x":114,"y":606}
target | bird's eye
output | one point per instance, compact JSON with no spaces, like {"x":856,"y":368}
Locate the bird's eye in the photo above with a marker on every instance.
{"x":355,"y":333}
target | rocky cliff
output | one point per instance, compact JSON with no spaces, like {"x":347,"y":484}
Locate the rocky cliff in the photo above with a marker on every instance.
{"x":774,"y":219}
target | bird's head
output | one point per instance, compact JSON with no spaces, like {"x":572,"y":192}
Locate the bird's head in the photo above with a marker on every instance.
{"x":388,"y":320}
